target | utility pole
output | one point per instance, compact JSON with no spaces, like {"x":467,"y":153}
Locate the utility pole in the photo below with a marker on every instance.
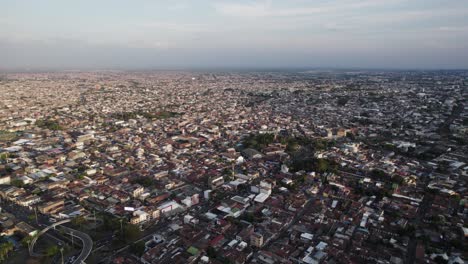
{"x":35,"y":213}
{"x":61,"y":252}
{"x":95,"y":222}
{"x":121,"y":228}
{"x":232,"y":168}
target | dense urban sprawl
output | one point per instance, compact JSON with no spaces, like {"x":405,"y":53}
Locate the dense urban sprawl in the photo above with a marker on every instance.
{"x":236,"y":167}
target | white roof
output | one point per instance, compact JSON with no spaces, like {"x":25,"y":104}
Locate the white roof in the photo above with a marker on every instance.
{"x":232,"y":243}
{"x":309,"y":260}
{"x":210,"y":215}
{"x":307,"y":236}
{"x":335,"y":202}
{"x":13,"y":149}
{"x":261,"y":197}
{"x":465,"y":231}
{"x":237,"y":182}
{"x":139,"y":213}
{"x":21,"y":142}
{"x":321,"y":246}
{"x":167,"y":204}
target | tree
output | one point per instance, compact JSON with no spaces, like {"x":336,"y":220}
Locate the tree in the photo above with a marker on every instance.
{"x":291,"y":146}
{"x":26,"y":240}
{"x":457,"y":244}
{"x":110,"y":222}
{"x":5,"y":248}
{"x":131,"y":232}
{"x":258,"y":141}
{"x":31,"y":217}
{"x":350,"y":135}
{"x":17,"y":182}
{"x":342,"y":101}
{"x":4,"y":156}
{"x":398,"y":179}
{"x":322,"y":165}
{"x":211,"y":252}
{"x":440,"y":260}
{"x":379,"y":174}
{"x":138,"y":248}
{"x":145,"y":181}
{"x":249,"y":217}
{"x":410,"y":230}
{"x":49,"y":124}
{"x":78,"y":221}
{"x":52,"y":250}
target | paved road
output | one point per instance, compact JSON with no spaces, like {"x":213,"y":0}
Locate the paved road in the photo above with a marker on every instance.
{"x":86,"y":241}
{"x":160,"y":226}
{"x":424,"y":206}
{"x":22,"y":213}
{"x":42,"y":232}
{"x":444,"y":129}
{"x":298,"y":216}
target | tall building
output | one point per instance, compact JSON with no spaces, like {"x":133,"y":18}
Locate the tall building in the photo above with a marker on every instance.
{"x":256,"y":240}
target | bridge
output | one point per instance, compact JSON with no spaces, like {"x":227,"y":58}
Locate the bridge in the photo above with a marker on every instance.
{"x":85,"y":239}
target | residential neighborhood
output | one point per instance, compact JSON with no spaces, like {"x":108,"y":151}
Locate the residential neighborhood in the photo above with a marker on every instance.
{"x":234,"y":167}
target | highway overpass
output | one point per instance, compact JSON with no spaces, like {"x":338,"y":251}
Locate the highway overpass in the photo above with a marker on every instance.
{"x":87,"y":242}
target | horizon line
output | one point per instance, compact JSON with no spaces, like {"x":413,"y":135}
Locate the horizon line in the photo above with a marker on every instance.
{"x":216,"y":69}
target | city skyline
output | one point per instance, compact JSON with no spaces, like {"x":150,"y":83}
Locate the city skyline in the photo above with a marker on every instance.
{"x":234,"y":34}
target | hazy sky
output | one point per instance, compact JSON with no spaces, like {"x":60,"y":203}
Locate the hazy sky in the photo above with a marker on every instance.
{"x":233,"y":33}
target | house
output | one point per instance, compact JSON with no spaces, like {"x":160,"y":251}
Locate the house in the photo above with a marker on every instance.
{"x":139,"y":217}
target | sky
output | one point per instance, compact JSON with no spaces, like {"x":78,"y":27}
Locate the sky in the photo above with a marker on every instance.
{"x":166,"y":34}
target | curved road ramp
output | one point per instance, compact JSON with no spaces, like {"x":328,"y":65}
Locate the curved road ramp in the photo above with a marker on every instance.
{"x":87,"y":242}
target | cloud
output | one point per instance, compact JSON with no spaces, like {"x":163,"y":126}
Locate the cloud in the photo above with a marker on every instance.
{"x":452,"y":29}
{"x":255,"y":9}
{"x":179,"y":6}
{"x":231,"y":31}
{"x":263,"y":9}
{"x":176,"y":27}
{"x":267,"y":8}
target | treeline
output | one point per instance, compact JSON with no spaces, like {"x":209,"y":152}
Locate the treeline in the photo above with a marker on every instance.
{"x":301,"y":150}
{"x":48,"y":124}
{"x":144,"y":181}
{"x":8,"y":136}
{"x":299,"y":163}
{"x":258,"y":141}
{"x":293,"y":143}
{"x":135,"y":114}
{"x":5,"y":249}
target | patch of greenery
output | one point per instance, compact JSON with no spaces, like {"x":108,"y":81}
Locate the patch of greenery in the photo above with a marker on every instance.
{"x":134,"y":115}
{"x":138,"y":248}
{"x":8,"y":136}
{"x":131,"y":232}
{"x":299,"y":163}
{"x":144,"y":181}
{"x":4,"y":156}
{"x":17,"y":183}
{"x":52,"y":250}
{"x":49,"y":124}
{"x":78,"y":221}
{"x":5,"y":249}
{"x":342,"y":101}
{"x":213,"y":254}
{"x":258,"y":141}
{"x":378,"y":193}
